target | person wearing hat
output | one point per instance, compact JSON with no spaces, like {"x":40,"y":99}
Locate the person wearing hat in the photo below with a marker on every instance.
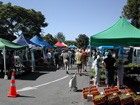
{"x":78,"y":58}
{"x":109,"y":69}
{"x":97,"y":71}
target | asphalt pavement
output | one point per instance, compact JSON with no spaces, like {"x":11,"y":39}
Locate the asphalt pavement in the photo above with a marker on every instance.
{"x":46,"y":86}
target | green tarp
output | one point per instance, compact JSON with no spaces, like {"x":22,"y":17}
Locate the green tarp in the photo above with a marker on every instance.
{"x":122,"y":33}
{"x":8,"y":45}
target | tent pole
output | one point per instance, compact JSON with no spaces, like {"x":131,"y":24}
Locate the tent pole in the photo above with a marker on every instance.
{"x":43,"y":54}
{"x":89,"y":96}
{"x":27,"y":54}
{"x":4,"y":56}
{"x":33,"y":60}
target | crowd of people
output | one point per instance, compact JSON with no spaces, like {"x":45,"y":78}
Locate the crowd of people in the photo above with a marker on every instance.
{"x":66,"y":58}
{"x":111,"y":63}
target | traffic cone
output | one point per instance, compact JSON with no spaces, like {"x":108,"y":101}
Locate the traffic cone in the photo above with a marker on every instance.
{"x":13,"y":87}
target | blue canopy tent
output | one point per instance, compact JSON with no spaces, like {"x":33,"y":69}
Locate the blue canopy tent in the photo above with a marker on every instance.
{"x":71,"y":46}
{"x":26,"y":42}
{"x":110,"y":47}
{"x":105,"y":47}
{"x":39,"y":41}
{"x":22,"y":40}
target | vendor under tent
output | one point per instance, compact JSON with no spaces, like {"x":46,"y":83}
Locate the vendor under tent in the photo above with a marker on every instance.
{"x":42,"y":43}
{"x":8,"y":45}
{"x":59,"y":44}
{"x":22,"y":40}
{"x":122,"y":33}
{"x":105,"y":47}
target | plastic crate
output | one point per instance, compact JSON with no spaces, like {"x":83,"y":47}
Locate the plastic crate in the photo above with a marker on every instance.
{"x":112,"y":87}
{"x":85,"y":95}
{"x":98,"y":101}
{"x":85,"y":88}
{"x":137,"y":100}
{"x":112,"y":90}
{"x":91,"y":88}
{"x":102,"y":83}
{"x":126,"y":100}
{"x":94,"y":93}
{"x":96,"y":89}
{"x":113,"y":100}
{"x":127,"y":90}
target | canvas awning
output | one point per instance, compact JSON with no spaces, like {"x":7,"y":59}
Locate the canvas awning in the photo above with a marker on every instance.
{"x":122,"y":33}
{"x":22,"y":40}
{"x":59,"y":44}
{"x":64,"y":44}
{"x":39,"y":41}
{"x":8,"y":45}
{"x":71,"y":46}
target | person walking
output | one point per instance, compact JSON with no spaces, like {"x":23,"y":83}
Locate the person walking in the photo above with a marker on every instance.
{"x":84,"y":61}
{"x":49,"y":58}
{"x":78,"y":58}
{"x":66,"y":61}
{"x":120,"y":73}
{"x":56,"y":57}
{"x":97,"y":71}
{"x":70,"y":57}
{"x":62,"y":61}
{"x":109,"y":69}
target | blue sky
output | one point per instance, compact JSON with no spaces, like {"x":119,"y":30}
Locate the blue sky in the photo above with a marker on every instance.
{"x":74,"y":17}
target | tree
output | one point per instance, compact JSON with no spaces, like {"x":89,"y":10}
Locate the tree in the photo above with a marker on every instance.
{"x":60,"y":37}
{"x":16,"y":20}
{"x":69,"y":42}
{"x":50,"y":39}
{"x":82,"y":41}
{"x":132,"y":11}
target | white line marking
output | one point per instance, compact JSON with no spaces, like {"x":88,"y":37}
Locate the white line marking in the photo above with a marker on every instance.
{"x":35,"y":87}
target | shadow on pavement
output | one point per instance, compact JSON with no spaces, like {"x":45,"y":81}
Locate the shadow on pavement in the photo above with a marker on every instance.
{"x":30,"y":76}
{"x":44,"y":68}
{"x":26,"y":96}
{"x":79,"y":90}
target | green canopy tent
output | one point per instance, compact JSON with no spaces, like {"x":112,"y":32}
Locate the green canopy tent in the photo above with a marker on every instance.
{"x":8,"y":45}
{"x":57,"y":46}
{"x":122,"y":33}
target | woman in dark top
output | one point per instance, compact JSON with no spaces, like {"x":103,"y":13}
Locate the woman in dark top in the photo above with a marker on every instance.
{"x":109,"y":69}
